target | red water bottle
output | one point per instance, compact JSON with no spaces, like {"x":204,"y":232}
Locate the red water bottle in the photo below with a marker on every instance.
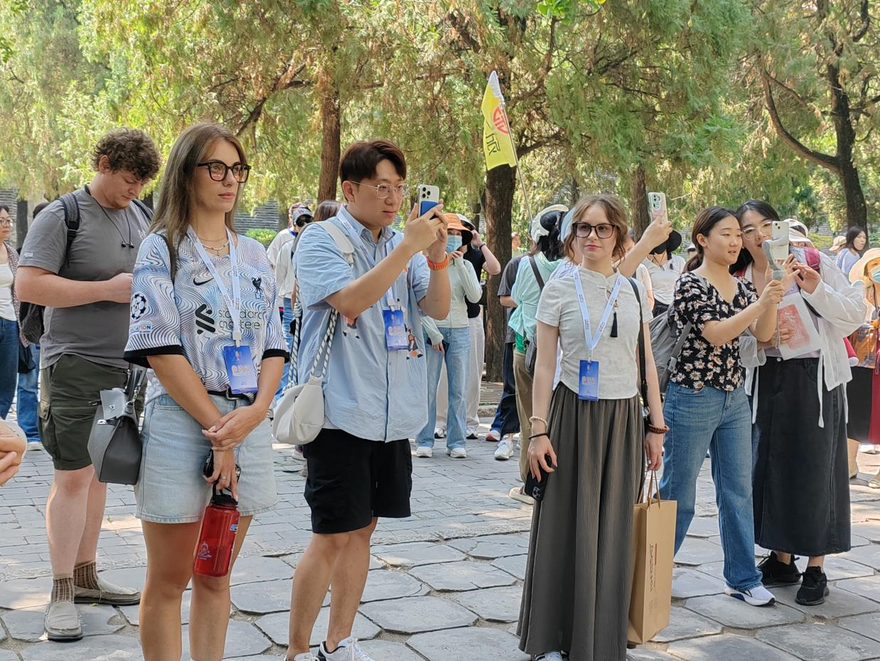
{"x":217,"y":538}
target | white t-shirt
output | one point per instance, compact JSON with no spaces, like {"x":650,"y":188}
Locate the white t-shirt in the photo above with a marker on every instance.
{"x":644,"y":277}
{"x":663,"y":278}
{"x":7,"y":311}
{"x":618,"y":367}
{"x":284,"y":236}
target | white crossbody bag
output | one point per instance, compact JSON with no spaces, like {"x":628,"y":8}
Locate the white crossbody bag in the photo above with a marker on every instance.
{"x":299,"y":414}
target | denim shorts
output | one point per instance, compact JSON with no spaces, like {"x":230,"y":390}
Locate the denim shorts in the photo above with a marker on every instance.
{"x":171,"y":488}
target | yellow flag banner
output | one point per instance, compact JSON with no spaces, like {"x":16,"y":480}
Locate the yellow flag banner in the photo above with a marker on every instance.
{"x":497,"y":141}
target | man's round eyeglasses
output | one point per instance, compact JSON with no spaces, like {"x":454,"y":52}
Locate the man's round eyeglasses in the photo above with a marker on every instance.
{"x":384,"y":190}
{"x":218,"y":170}
{"x":603,"y":231}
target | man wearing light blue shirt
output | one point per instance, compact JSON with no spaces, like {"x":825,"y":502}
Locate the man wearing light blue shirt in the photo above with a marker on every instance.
{"x":375,"y":384}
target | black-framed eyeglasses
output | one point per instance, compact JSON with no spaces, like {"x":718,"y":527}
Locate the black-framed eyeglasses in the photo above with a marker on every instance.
{"x":384,"y":190}
{"x":603,"y":230}
{"x":218,"y":170}
{"x":5,"y":222}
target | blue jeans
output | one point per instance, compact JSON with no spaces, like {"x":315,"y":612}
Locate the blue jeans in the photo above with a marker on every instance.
{"x":506,"y":416}
{"x":28,"y":398}
{"x":719,"y":421}
{"x":286,"y":318}
{"x":456,"y":354}
{"x":8,"y":364}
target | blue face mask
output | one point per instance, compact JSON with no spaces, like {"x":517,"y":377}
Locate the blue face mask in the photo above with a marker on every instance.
{"x":875,"y":274}
{"x":453,"y":243}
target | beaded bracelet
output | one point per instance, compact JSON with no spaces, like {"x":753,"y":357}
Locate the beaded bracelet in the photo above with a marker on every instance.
{"x":539,"y":419}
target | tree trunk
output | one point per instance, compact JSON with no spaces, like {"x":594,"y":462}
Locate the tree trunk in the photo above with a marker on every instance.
{"x":331,"y":119}
{"x":500,"y":186}
{"x":854,"y":197}
{"x":641,"y":218}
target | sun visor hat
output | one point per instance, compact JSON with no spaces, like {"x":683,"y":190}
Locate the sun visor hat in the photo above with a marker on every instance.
{"x":669,"y":246}
{"x":302,"y":215}
{"x":537,"y":229}
{"x":453,"y":222}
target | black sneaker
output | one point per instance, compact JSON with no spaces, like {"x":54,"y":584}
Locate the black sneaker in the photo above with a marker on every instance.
{"x":775,"y":574}
{"x":814,"y":589}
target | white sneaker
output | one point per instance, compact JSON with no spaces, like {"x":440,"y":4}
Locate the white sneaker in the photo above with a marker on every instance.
{"x":471,"y":433}
{"x":520,"y":496}
{"x":425,"y":451}
{"x":549,"y":656}
{"x":757,"y":596}
{"x":505,"y":449}
{"x":348,"y":650}
{"x":493,"y":436}
{"x":440,"y":432}
{"x":457,"y":453}
{"x":305,"y":656}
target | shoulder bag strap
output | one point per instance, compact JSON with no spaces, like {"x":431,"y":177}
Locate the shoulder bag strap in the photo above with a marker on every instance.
{"x":534,"y":264}
{"x":643,"y":377}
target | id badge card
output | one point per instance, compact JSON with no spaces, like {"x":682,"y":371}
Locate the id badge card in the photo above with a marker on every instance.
{"x":240,"y":369}
{"x":588,"y":381}
{"x":395,"y":330}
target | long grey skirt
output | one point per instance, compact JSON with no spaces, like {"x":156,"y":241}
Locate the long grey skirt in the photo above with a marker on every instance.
{"x":577,"y":588}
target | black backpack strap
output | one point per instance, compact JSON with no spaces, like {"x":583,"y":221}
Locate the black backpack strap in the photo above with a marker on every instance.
{"x":147,"y":211}
{"x":643,"y":378}
{"x":534,"y":264}
{"x":71,"y":220}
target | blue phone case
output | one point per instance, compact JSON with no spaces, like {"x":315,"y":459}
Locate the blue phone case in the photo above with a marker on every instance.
{"x":425,"y":206}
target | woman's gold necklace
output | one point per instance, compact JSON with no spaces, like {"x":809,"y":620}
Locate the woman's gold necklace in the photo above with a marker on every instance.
{"x":216,"y":249}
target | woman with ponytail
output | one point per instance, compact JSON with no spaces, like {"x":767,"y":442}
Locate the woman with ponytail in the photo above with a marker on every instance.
{"x":706,"y":405}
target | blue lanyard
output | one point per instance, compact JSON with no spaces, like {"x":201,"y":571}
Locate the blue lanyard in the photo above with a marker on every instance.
{"x":593,"y":340}
{"x":233,"y":304}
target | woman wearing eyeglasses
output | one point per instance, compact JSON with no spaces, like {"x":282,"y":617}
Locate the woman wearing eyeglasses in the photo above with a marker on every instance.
{"x":588,"y":434}
{"x":9,"y":334}
{"x":203,"y":317}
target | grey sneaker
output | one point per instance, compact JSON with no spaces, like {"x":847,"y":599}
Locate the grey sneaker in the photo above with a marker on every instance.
{"x":62,"y":622}
{"x":348,"y":650}
{"x":504,"y":451}
{"x":305,"y":656}
{"x":425,"y":451}
{"x":457,"y":453}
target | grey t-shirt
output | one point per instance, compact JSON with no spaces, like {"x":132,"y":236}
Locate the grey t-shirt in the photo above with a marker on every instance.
{"x":505,"y":288}
{"x":97,"y":331}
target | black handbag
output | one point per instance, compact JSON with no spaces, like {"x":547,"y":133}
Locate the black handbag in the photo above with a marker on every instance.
{"x":26,"y":362}
{"x":115,"y":440}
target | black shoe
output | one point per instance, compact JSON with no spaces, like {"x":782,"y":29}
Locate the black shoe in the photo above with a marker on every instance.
{"x":775,"y":574}
{"x":814,"y":589}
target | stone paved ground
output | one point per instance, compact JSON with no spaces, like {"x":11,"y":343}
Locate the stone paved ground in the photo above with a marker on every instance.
{"x":445,"y":584}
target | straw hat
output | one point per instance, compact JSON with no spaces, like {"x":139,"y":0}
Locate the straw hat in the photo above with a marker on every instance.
{"x":857,"y":273}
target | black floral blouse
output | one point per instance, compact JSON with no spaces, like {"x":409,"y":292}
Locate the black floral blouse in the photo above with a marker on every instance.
{"x":702,"y":364}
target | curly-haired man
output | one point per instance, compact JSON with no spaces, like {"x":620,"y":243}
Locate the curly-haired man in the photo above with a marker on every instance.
{"x":85,"y":284}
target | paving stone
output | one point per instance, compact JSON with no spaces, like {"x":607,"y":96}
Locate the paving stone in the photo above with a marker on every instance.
{"x":686,"y":624}
{"x":25,"y":593}
{"x":417,"y":553}
{"x":687,"y":583}
{"x":128,"y":578}
{"x":277,"y":627}
{"x":838,"y":603}
{"x":640,"y":654}
{"x":481,"y":643}
{"x":865,"y":555}
{"x":27,"y":623}
{"x":2,"y":633}
{"x":6,"y":655}
{"x":821,"y":642}
{"x":734,"y":613}
{"x":384,"y":649}
{"x":418,"y":614}
{"x":869,"y":530}
{"x":261,"y":657}
{"x":257,"y":568}
{"x":495,"y":605}
{"x":694,"y":552}
{"x":94,"y":648}
{"x":262,"y":598}
{"x":132,"y":613}
{"x":703,"y":526}
{"x":728,"y":646}
{"x":242,"y":639}
{"x":838,"y":568}
{"x":388,"y":584}
{"x":867,"y":625}
{"x":461,"y":576}
{"x":492,"y":546}
{"x":866,"y":587}
{"x":513,"y":565}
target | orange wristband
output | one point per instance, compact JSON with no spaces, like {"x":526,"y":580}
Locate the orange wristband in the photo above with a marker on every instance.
{"x":438,"y":266}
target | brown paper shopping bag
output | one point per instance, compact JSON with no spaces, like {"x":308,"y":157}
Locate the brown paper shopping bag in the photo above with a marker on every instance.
{"x":653,"y":548}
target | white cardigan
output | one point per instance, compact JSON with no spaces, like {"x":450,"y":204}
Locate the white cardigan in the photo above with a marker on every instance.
{"x":841,"y":309}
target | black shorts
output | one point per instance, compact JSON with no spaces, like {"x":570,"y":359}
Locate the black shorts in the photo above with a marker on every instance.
{"x":352,"y":480}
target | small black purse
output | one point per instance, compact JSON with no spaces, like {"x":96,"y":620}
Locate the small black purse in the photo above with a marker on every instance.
{"x":115,"y":440}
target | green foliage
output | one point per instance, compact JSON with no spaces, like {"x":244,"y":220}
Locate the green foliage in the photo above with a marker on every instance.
{"x":263,"y":236}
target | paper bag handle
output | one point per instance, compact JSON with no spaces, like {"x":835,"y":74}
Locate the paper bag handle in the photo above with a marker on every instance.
{"x":653,"y":485}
